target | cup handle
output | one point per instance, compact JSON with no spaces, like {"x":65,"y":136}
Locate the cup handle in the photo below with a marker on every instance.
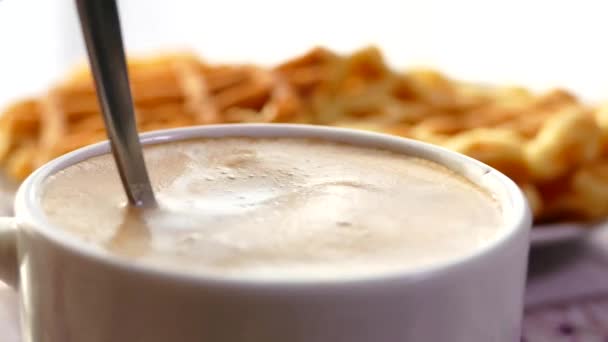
{"x":8,"y":251}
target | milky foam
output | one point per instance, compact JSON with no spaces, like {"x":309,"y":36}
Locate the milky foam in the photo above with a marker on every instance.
{"x":278,"y":209}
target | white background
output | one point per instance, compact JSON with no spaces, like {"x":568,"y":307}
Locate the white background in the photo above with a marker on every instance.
{"x":535,"y":43}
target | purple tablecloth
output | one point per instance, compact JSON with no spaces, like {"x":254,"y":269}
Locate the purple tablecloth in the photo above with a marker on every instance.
{"x":566,"y":299}
{"x":567,"y":294}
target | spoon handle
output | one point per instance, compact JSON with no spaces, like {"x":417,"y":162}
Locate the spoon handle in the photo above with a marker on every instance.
{"x":100,"y":25}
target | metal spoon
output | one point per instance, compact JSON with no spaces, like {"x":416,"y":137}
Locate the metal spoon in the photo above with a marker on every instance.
{"x":101,"y":31}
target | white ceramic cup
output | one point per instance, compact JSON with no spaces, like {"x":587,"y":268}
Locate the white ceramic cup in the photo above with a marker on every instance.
{"x":73,"y":293}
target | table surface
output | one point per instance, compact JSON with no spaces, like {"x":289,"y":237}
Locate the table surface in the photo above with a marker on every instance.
{"x":567,"y":293}
{"x":566,"y":298}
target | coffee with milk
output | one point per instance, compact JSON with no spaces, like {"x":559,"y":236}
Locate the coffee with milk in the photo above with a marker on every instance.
{"x":277,"y":209}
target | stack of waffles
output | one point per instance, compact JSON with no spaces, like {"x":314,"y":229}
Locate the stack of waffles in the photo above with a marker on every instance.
{"x":553,"y":145}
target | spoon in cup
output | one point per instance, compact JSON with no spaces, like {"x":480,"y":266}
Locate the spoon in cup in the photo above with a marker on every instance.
{"x":101,"y":30}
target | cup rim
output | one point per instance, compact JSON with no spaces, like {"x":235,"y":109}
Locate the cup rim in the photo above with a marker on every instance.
{"x":28,"y":211}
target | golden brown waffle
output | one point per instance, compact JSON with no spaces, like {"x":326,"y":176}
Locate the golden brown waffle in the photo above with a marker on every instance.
{"x":552,"y":145}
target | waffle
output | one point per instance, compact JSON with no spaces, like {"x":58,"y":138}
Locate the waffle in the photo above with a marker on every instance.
{"x":553,"y":145}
